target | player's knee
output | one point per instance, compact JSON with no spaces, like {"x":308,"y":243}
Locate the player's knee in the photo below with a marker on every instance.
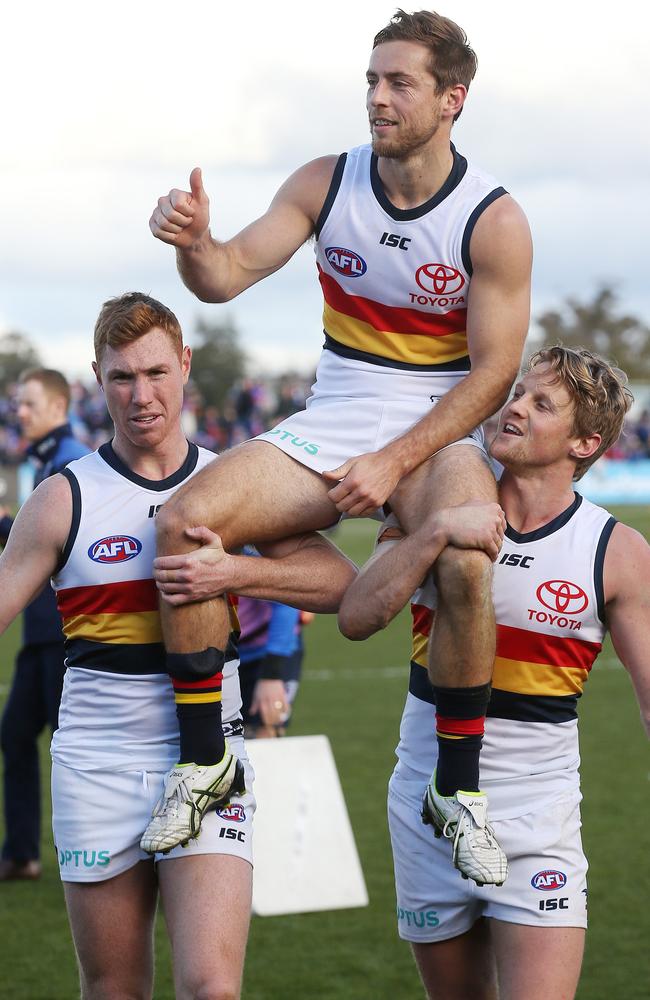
{"x":182,"y":511}
{"x":172,"y":519}
{"x":463,"y":575}
{"x":193,"y":667}
{"x":207,"y":988}
{"x":111,"y":984}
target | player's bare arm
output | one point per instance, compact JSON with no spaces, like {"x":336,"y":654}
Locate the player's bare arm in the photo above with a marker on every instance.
{"x":34,"y":547}
{"x":305,"y":571}
{"x":217,"y":272}
{"x":627,"y":603}
{"x":497,"y":321}
{"x":387,"y":581}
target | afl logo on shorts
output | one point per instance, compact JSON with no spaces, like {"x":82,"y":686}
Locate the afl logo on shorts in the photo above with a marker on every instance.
{"x":439,"y":279}
{"x":560,"y":595}
{"x":346,"y":262}
{"x":548,"y":881}
{"x":232,"y":813}
{"x":115,"y":549}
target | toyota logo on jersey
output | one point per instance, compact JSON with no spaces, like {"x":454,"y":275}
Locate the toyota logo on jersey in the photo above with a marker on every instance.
{"x":563,"y":596}
{"x":439,"y":279}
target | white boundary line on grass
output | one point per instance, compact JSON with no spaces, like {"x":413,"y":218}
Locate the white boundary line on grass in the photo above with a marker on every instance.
{"x":349,"y":673}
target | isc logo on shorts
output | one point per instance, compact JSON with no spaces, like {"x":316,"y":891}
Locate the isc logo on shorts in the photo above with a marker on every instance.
{"x":548,"y":881}
{"x":114,"y":549}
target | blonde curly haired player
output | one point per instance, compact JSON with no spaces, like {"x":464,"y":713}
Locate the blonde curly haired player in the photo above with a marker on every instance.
{"x":567,"y":573}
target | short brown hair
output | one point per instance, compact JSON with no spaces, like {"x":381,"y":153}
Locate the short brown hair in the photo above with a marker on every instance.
{"x":598,"y":391}
{"x":53,"y":381}
{"x":128,"y":317}
{"x":453,"y":61}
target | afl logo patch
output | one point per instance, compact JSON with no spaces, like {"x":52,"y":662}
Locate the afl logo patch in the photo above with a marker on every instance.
{"x":560,"y":595}
{"x":115,"y":549}
{"x":346,"y":262}
{"x":232,"y":813}
{"x":439,"y":279}
{"x":548,"y":881}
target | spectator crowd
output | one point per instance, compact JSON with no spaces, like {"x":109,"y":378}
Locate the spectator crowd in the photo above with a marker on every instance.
{"x":252,"y":406}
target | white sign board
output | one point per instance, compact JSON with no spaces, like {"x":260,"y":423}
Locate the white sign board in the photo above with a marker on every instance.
{"x":304,"y":850}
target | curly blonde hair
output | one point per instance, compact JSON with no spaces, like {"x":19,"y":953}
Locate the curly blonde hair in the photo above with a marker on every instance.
{"x":598,"y":391}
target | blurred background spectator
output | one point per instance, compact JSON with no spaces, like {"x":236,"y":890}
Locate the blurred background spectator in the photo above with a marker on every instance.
{"x":250,"y":407}
{"x":42,"y":409}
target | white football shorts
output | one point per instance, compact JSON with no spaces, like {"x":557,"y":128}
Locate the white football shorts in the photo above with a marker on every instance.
{"x":546,"y":884}
{"x":356,"y":408}
{"x":98,"y":818}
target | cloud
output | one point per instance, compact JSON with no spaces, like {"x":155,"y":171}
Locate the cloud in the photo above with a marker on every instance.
{"x":109,"y":107}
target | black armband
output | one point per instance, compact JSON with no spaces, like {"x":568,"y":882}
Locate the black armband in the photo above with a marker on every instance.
{"x":273,"y":667}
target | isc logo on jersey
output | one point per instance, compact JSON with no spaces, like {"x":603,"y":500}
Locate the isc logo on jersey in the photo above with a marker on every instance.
{"x":115,"y":549}
{"x":548,"y":881}
{"x":346,"y":262}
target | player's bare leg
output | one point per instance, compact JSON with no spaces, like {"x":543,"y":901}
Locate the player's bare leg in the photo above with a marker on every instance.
{"x":463,"y":642}
{"x":207,"y":902}
{"x":460,"y":967}
{"x":253,"y":493}
{"x":535,"y":963}
{"x":462,"y":649}
{"x":112,"y":926}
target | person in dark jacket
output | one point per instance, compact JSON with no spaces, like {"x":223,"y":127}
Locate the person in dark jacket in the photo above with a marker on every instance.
{"x":33,"y":701}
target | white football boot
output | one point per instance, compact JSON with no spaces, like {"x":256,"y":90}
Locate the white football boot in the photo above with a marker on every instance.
{"x":462,"y":818}
{"x":191,"y":790}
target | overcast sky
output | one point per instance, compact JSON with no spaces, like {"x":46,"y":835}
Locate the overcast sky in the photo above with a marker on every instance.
{"x":105,"y":108}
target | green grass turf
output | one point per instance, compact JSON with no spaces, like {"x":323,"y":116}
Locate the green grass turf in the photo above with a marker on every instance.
{"x":354,"y":692}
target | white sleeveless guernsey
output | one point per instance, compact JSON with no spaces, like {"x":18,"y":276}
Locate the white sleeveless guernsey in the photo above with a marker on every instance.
{"x":118,"y":705}
{"x":396,"y":286}
{"x":549,"y":604}
{"x":396,"y":281}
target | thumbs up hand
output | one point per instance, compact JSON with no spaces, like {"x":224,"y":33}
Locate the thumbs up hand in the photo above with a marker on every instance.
{"x":181,"y":218}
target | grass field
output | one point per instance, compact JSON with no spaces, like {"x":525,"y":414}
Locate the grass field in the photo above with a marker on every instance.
{"x":355,"y":693}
